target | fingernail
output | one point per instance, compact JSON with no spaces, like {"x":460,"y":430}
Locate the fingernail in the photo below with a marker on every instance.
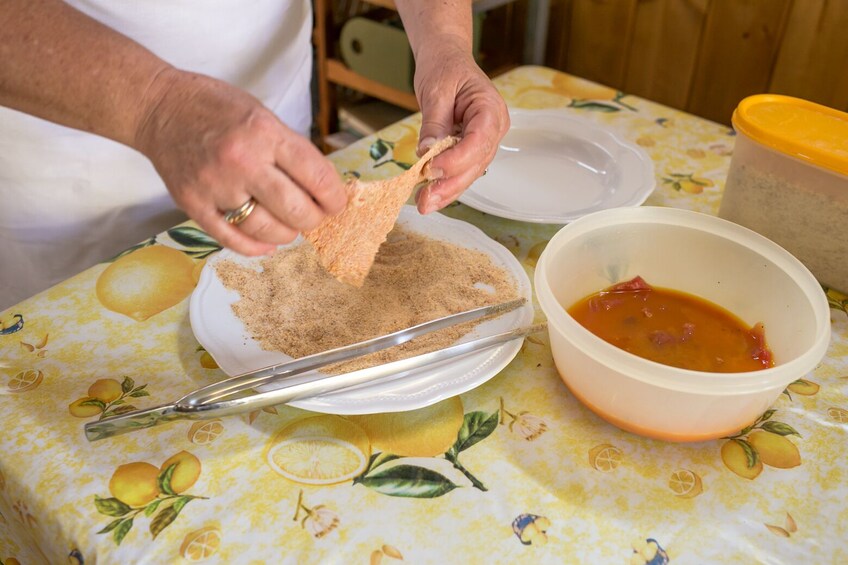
{"x":425,"y":145}
{"x":434,"y":173}
{"x":421,"y":193}
{"x":433,"y":203}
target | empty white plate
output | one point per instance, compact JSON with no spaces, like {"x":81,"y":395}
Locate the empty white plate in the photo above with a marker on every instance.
{"x":554,"y":168}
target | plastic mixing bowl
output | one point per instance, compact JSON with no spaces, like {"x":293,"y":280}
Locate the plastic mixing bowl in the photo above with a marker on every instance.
{"x":703,"y":255}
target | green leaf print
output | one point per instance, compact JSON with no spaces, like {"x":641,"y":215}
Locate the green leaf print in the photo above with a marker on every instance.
{"x":191,"y":237}
{"x":375,"y":461}
{"x":145,"y":243}
{"x":164,"y":479}
{"x":94,"y":402}
{"x":111,"y":526}
{"x":780,"y":429}
{"x":167,"y":516}
{"x":151,"y":508}
{"x":110,"y":506}
{"x":409,"y":481}
{"x":594,"y":106}
{"x":476,"y":427}
{"x":378,"y":149}
{"x":127,"y":384}
{"x":122,"y":530}
{"x":767,"y":414}
{"x":750,"y":453}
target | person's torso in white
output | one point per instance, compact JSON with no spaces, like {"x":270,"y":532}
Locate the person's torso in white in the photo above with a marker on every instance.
{"x":69,"y":199}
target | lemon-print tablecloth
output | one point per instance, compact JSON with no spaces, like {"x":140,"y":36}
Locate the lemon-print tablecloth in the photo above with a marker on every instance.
{"x":515,"y":471}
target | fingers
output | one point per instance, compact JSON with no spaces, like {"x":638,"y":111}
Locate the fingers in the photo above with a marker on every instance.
{"x":230,"y":148}
{"x":228,"y":235}
{"x":265,"y":227}
{"x":286,"y":202}
{"x":460,"y":166}
{"x":482,"y":119}
{"x":283,"y":209}
{"x":313,"y":173}
{"x":295,"y":195}
{"x":437,"y":123}
{"x":440,"y":193}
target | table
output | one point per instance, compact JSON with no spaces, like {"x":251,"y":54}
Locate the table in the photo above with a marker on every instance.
{"x":534,"y":477}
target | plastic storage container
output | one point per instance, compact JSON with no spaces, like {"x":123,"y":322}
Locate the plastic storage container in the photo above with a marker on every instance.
{"x":788,"y":180}
{"x":696,"y":253}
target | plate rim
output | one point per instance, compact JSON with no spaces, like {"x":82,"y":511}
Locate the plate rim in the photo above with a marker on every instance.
{"x":649,"y":182}
{"x":487,"y":367}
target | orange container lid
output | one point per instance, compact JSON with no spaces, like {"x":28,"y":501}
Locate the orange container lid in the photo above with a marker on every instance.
{"x":800,"y":128}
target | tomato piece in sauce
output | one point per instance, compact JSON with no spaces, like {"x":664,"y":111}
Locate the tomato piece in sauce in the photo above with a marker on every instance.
{"x":673,"y":328}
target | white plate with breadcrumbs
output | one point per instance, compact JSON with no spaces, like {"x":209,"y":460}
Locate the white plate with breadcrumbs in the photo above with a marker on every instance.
{"x":223,"y":335}
{"x":553,"y":168}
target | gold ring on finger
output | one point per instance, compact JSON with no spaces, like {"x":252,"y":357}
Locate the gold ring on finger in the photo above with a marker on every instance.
{"x":240,"y":214}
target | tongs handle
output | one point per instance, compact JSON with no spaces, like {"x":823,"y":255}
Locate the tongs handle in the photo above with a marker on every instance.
{"x":266,"y":375}
{"x":313,"y":385}
{"x":293,"y":389}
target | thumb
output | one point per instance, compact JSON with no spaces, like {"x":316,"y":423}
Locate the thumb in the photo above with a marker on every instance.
{"x":436,"y":122}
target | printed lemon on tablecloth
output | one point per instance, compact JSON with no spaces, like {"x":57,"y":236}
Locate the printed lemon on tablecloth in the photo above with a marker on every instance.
{"x":685,"y":483}
{"x":605,"y":457}
{"x":105,"y":390}
{"x":803,"y":387}
{"x":573,"y":92}
{"x":184,"y":469}
{"x":107,"y":397}
{"x":763,"y":442}
{"x":197,"y":269}
{"x":534,"y":253}
{"x":426,"y":432}
{"x":146,"y":281}
{"x":25,"y":381}
{"x":205,"y":431}
{"x":576,"y":87}
{"x":400,"y":149}
{"x":405,"y":149}
{"x":206,"y":359}
{"x":838,"y":414}
{"x":319,"y":450}
{"x":201,"y":544}
{"x":135,"y":484}
{"x":687,"y":182}
{"x":646,"y":141}
{"x":775,"y":450}
{"x":738,"y":459}
{"x":141,"y":488}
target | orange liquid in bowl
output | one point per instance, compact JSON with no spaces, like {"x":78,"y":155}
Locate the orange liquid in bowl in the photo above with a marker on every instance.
{"x":673,"y":328}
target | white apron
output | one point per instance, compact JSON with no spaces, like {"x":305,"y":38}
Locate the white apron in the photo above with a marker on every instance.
{"x":69,"y":199}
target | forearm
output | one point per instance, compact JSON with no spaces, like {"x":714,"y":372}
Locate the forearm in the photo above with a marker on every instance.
{"x":433,"y":24}
{"x":58,"y":64}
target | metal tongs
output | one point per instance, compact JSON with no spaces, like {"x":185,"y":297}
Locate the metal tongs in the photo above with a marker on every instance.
{"x":230,"y":395}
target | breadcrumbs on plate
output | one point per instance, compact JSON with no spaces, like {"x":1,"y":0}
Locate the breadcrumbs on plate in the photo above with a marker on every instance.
{"x":294,"y":306}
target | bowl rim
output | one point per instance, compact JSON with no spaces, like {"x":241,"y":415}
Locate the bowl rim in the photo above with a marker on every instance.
{"x":666,"y":376}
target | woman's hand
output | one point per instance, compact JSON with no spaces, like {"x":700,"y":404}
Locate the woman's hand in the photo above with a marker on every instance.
{"x":456,"y":97}
{"x":216,"y":147}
